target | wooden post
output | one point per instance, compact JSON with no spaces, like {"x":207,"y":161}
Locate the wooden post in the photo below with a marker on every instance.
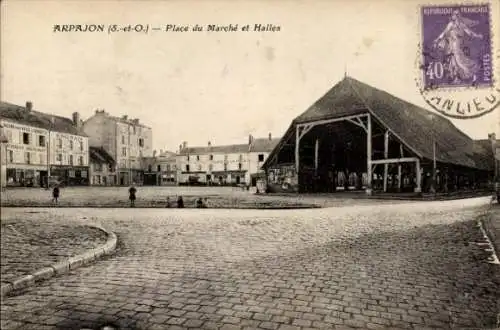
{"x":297,"y":141}
{"x":418,"y":187}
{"x":386,"y":155}
{"x":316,"y":154}
{"x":399,"y":168}
{"x":369,"y":155}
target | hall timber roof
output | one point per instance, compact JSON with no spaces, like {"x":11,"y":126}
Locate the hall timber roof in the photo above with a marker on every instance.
{"x":414,"y":125}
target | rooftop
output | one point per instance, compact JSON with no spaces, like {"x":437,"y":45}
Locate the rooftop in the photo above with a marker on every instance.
{"x":30,"y":117}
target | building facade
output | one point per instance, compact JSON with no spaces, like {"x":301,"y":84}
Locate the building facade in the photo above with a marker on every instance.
{"x":223,"y":165}
{"x":102,"y":167}
{"x":126,"y":140}
{"x":160,"y":170}
{"x":41,"y":145}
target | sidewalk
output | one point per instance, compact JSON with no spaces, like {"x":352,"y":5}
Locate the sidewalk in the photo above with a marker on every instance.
{"x":492,"y":227}
{"x":27,"y":245}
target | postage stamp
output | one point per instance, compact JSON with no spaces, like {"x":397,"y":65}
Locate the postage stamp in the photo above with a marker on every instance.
{"x":456,"y":57}
{"x":457,"y":46}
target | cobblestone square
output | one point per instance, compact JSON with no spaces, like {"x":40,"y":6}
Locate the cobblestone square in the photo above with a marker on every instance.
{"x":370,"y":266}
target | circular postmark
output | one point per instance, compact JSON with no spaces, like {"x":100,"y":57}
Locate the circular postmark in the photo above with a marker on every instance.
{"x":455,"y":71}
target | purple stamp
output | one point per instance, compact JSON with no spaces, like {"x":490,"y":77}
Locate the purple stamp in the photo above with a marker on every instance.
{"x":457,"y":48}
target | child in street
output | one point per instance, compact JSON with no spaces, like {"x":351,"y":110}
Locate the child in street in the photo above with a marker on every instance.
{"x":55,"y":194}
{"x":131,"y":191}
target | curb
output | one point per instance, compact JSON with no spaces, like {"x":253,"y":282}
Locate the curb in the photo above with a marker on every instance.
{"x":62,"y":267}
{"x":491,"y":232}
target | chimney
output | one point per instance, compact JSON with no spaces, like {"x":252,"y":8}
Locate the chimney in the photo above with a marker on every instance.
{"x":180,"y":147}
{"x":270,"y":136}
{"x":209,"y":143}
{"x":136,"y":121}
{"x":184,"y":145}
{"x":154,"y":153}
{"x":124,"y":117}
{"x":29,"y":106}
{"x":250,"y":139}
{"x":76,"y":119}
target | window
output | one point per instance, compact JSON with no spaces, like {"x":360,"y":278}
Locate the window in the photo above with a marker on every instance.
{"x":135,"y":130}
{"x":261,"y":157}
{"x":225,"y":158}
{"x":71,"y":144}
{"x":80,"y":160}
{"x":211,"y":157}
{"x":239,"y":166}
{"x":199,"y":167}
{"x":59,"y":157}
{"x":124,"y":151}
{"x":97,"y":167}
{"x":71,"y":159}
{"x":81,"y":145}
{"x":123,"y":139}
{"x":41,"y":141}
{"x":187,"y":168}
{"x":168,"y":167}
{"x":187,"y":158}
{"x":225,"y":167}
{"x":197,"y":157}
{"x":26,"y":138}
{"x":150,"y":168}
{"x":42,"y":157}
{"x":210,"y":167}
{"x":159,"y":168}
{"x":27,"y":157}
{"x":110,"y":168}
{"x":59,"y":142}
{"x":11,"y":156}
{"x":141,"y":142}
{"x":240,"y":158}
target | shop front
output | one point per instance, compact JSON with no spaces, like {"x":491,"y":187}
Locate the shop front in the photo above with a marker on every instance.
{"x":71,"y":175}
{"x":24,"y":176}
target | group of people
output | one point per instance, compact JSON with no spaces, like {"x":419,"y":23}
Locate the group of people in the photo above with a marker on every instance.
{"x":200,"y":203}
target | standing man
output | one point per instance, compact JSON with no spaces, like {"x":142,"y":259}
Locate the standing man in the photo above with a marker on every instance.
{"x":131,"y":192}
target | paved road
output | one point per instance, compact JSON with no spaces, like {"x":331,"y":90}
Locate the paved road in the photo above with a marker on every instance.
{"x":379,"y":266}
{"x":30,"y":244}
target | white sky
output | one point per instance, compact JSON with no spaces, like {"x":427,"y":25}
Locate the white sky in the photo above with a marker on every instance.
{"x":220,"y":86}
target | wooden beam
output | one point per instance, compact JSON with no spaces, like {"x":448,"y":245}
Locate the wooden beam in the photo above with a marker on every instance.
{"x":395,"y":160}
{"x":401,"y":154}
{"x":418,"y":188}
{"x":316,"y":154}
{"x":328,"y":121}
{"x":297,"y":141}
{"x":369,"y":155}
{"x":386,"y":155}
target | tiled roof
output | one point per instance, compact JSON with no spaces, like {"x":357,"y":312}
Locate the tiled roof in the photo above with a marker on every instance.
{"x":258,"y":145}
{"x":99,"y":155}
{"x":33,"y":118}
{"x":413,"y":125}
{"x":264,"y":144}
{"x":225,"y":149}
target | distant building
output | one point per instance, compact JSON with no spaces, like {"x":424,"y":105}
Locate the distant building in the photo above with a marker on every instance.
{"x":223,"y":165}
{"x":39,"y":143}
{"x":160,"y":170}
{"x":126,"y":140}
{"x":102,"y":167}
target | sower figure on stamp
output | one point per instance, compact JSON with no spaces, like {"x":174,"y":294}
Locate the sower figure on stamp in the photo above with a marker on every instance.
{"x":55,"y":194}
{"x":459,"y":65}
{"x":131,"y":191}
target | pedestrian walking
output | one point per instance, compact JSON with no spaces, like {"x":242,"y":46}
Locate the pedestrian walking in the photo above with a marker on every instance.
{"x":131,"y":192}
{"x":180,"y":202}
{"x":55,"y":194}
